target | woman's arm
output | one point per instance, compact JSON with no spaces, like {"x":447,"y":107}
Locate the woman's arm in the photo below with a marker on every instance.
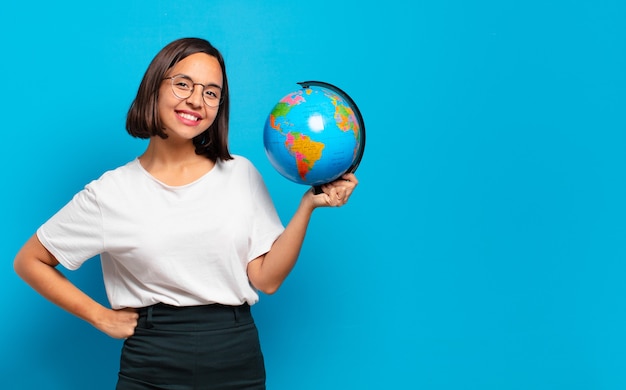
{"x":267,"y":272}
{"x":37,"y":266}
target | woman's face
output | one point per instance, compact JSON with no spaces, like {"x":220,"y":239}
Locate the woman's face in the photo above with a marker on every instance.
{"x":185,"y":118}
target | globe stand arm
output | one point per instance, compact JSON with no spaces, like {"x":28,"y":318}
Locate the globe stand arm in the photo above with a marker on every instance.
{"x":305,"y":84}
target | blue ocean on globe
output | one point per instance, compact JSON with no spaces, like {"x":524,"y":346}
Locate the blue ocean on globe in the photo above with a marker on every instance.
{"x":312,"y":136}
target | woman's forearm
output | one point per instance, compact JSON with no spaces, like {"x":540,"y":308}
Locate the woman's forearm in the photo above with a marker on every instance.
{"x":36,"y":266}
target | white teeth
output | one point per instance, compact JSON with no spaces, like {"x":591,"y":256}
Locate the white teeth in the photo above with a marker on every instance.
{"x":188,"y":116}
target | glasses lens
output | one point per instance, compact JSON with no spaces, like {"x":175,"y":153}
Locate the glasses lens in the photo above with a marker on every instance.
{"x":212,"y":96}
{"x":182,"y":87}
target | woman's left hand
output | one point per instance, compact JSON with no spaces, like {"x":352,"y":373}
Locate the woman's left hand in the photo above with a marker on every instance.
{"x":336,"y":193}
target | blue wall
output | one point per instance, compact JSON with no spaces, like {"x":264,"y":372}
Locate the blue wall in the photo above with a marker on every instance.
{"x":485,"y":247}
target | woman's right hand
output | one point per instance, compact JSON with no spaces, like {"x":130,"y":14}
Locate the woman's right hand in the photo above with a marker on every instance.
{"x":119,"y":324}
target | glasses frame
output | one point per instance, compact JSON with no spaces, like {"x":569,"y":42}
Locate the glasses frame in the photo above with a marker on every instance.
{"x":193,"y":86}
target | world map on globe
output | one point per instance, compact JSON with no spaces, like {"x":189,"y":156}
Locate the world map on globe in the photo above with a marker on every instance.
{"x":312,"y":135}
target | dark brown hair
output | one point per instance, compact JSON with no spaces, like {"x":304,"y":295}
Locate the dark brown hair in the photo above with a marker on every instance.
{"x":143,"y":119}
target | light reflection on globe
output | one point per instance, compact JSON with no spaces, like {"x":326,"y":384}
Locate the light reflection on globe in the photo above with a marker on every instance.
{"x":312,"y":136}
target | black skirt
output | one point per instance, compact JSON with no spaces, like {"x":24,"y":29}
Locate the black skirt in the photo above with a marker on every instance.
{"x":195,"y":347}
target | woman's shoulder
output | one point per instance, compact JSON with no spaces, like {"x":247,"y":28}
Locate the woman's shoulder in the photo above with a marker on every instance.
{"x":124,"y":173}
{"x":237,"y":159}
{"x":130,"y":168}
{"x":237,"y":162}
{"x":241,"y":166}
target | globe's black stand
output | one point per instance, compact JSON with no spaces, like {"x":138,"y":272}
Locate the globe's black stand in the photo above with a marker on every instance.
{"x":305,"y":84}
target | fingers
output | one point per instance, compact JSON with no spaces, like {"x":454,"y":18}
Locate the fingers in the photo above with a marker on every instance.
{"x":334,"y":196}
{"x":351,"y":178}
{"x":120,"y":324}
{"x":128,"y":320}
{"x":338,"y":192}
{"x":344,"y":187}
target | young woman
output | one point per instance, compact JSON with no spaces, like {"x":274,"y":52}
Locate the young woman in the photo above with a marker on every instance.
{"x":187,"y":235}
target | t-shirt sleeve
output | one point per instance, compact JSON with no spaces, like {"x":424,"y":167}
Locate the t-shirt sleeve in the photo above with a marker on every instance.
{"x":266,"y":224}
{"x":74,"y":234}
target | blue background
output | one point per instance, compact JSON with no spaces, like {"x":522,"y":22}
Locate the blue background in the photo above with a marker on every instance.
{"x":484,"y":248}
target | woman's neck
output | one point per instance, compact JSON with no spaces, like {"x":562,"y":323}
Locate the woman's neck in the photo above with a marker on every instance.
{"x":174,"y":164}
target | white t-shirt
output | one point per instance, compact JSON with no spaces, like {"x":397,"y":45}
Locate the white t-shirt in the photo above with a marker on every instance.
{"x":180,"y":245}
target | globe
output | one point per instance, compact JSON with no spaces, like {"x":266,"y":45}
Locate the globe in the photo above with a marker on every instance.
{"x":314,"y":135}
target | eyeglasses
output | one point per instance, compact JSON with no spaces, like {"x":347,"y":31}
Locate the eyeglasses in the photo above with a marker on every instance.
{"x":183,"y":87}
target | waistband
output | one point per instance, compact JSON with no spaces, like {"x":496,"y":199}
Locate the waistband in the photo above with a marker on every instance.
{"x":186,"y":318}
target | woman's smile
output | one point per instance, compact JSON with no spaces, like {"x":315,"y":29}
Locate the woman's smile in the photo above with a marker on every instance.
{"x":189,"y":118}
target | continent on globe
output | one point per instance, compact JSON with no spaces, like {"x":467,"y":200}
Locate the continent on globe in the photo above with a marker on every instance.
{"x":305,"y":150}
{"x":346,"y":119}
